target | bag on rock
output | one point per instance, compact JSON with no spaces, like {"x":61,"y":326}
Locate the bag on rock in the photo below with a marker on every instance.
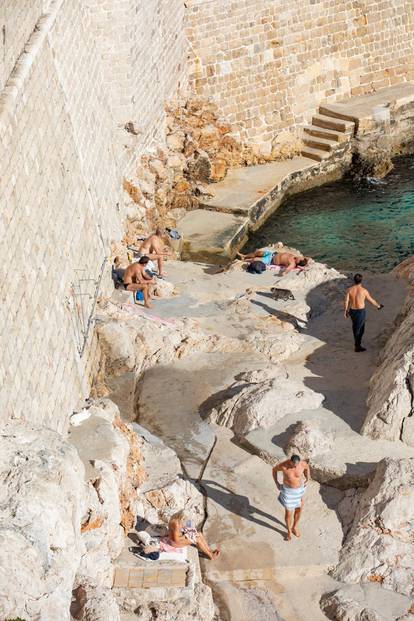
{"x":256,"y":267}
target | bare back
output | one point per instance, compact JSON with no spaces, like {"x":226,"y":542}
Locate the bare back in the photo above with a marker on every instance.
{"x":282,"y":258}
{"x":357,"y":297}
{"x":152,"y":245}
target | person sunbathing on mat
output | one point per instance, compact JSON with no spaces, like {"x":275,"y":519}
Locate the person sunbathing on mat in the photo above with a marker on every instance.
{"x":269,"y":257}
{"x":137,"y":279}
{"x":181,"y":535}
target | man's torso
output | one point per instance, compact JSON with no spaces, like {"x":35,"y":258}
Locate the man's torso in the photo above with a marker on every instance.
{"x":293,"y":476}
{"x":281,"y":258}
{"x":133,"y":274}
{"x":357,"y":297}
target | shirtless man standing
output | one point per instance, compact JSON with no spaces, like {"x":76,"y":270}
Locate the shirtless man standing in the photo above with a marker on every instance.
{"x":296,"y":474}
{"x":154,"y":247}
{"x":355,"y":298}
{"x":269,"y":257}
{"x":136,"y":279}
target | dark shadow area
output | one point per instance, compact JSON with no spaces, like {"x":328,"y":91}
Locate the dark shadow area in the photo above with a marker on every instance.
{"x":357,"y":477}
{"x":217,"y":398}
{"x":281,"y":439}
{"x":338,"y":373}
{"x":239,"y":505}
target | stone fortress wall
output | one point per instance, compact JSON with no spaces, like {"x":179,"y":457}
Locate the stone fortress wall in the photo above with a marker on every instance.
{"x":269,"y":63}
{"x":73,"y":74}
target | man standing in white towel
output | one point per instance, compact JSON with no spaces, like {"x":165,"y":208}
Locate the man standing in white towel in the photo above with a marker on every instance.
{"x":296,"y":474}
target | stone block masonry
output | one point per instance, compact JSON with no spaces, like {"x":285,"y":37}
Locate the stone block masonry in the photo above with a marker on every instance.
{"x":268,"y":64}
{"x":61,"y":170}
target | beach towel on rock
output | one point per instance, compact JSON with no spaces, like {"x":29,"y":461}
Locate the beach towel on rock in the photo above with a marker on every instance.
{"x":291,"y":497}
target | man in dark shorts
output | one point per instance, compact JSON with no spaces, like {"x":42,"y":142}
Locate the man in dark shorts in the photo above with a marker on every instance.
{"x":355,"y":298}
{"x":137,"y":279}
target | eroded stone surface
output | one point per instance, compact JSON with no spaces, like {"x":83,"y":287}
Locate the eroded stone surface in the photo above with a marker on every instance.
{"x":249,"y":406}
{"x":364,"y":602}
{"x":43,"y":502}
{"x":379,"y":546}
{"x":308,"y":440}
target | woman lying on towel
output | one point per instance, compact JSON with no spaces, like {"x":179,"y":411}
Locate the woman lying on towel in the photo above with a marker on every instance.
{"x":181,"y":534}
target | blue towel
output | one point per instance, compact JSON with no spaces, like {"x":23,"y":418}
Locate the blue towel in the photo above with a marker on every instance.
{"x":291,"y":497}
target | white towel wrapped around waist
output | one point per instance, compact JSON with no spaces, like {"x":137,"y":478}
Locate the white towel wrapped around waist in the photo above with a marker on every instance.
{"x":291,"y":497}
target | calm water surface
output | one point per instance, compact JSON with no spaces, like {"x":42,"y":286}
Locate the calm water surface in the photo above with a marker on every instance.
{"x":351,"y":228}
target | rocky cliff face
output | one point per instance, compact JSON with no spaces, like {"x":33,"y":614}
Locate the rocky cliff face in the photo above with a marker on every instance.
{"x":379,"y":547}
{"x":391,"y":397}
{"x":64,"y":507}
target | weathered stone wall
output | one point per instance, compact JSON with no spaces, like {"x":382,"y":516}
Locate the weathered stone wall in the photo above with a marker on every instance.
{"x":269,"y":64}
{"x":61,"y":166}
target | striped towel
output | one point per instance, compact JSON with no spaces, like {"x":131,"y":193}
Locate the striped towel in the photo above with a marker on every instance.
{"x":291,"y":497}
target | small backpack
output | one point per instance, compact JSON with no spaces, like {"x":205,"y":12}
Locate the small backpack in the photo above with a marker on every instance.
{"x":256,"y":267}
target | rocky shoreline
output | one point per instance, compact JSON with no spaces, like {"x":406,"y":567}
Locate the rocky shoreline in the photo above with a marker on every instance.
{"x":230,"y":379}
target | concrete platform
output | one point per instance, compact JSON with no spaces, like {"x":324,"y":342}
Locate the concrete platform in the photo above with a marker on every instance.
{"x":242,"y":201}
{"x":212,"y":236}
{"x":243,"y":188}
{"x":362,"y":107}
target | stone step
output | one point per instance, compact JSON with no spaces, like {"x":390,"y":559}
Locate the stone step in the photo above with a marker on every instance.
{"x":315,"y":154}
{"x":329,"y":122}
{"x":212,"y":236}
{"x":319,"y":143}
{"x":328,"y":134}
{"x":336,"y":114}
{"x":150,"y":576}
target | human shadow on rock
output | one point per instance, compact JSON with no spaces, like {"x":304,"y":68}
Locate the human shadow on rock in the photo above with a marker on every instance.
{"x":239,"y":505}
{"x":279,"y":314}
{"x":336,"y":370}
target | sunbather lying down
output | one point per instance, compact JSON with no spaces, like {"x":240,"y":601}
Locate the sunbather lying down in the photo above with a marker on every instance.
{"x":181,"y":534}
{"x":270,"y":257}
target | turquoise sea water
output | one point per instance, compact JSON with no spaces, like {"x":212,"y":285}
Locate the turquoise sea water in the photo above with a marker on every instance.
{"x":369,"y":227}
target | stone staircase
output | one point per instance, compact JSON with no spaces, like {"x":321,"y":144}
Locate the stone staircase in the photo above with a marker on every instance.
{"x":327,"y":132}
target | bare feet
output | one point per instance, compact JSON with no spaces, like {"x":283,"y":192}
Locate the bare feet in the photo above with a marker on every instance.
{"x":288,"y":537}
{"x":239,"y":255}
{"x":295,"y":532}
{"x":215,"y":554}
{"x":148,"y":305}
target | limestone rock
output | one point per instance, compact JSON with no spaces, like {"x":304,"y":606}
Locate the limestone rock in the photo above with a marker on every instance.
{"x":158,"y":505}
{"x":118,"y":344}
{"x":327,"y":469}
{"x":219,"y":168}
{"x":163,"y":288}
{"x":167,"y":604}
{"x":246,"y":406}
{"x":390,"y":400}
{"x":364,"y":602}
{"x":165,"y":490}
{"x":308,"y":440}
{"x":340,"y":607}
{"x":379,"y":547}
{"x":42,"y":502}
{"x":161,"y":462}
{"x":285,"y":145}
{"x":113,"y":471}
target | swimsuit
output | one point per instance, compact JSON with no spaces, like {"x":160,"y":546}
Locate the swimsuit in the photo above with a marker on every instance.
{"x":267,"y":256}
{"x":291,"y":497}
